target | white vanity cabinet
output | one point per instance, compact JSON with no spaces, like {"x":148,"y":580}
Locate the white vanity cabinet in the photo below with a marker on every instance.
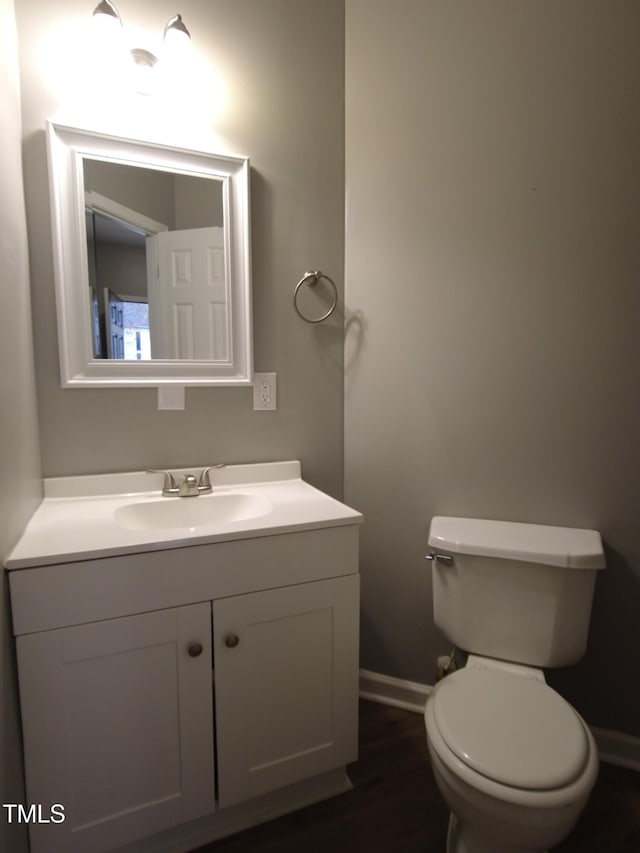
{"x":116,"y":719}
{"x":286,"y":664}
{"x":168,"y":697}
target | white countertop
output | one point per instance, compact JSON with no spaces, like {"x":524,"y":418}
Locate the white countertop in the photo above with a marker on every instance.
{"x":76,"y":519}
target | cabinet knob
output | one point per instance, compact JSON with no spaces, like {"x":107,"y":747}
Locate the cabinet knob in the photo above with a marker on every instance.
{"x":231,"y":641}
{"x":195,"y":650}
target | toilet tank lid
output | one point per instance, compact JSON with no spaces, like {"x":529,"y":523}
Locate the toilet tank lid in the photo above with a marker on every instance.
{"x":533,"y":543}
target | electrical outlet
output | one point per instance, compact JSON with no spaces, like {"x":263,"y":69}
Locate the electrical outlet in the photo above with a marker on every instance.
{"x":264,"y":392}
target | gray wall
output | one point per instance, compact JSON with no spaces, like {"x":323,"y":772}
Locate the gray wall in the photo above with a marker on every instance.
{"x":198,"y":202}
{"x":146,"y":191}
{"x":282,"y":62}
{"x":492,"y":272}
{"x":19,"y":456}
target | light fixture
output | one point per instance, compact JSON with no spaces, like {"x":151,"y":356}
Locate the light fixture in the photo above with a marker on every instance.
{"x":175,"y":31}
{"x":175,"y":37}
{"x":106,"y":15}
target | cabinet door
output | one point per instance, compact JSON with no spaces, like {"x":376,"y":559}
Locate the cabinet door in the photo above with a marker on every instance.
{"x":117,"y":719}
{"x":286,"y":685}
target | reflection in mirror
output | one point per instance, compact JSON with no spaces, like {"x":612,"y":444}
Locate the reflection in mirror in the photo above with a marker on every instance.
{"x":151,"y":246}
{"x":143,"y":272}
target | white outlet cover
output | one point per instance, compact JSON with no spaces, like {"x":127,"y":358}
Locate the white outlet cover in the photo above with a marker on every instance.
{"x":171,"y":397}
{"x":264,"y":392}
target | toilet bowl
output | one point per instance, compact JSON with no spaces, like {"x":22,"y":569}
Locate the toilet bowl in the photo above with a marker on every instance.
{"x":513,"y":760}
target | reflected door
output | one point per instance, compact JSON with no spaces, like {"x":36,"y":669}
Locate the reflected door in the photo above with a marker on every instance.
{"x":189,"y":310}
{"x":114,"y":314}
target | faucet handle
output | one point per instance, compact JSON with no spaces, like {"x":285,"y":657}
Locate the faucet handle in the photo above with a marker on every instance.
{"x":169,"y":487}
{"x":204,"y":483}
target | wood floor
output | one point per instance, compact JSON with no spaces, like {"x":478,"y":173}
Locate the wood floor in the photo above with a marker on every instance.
{"x":394,"y":806}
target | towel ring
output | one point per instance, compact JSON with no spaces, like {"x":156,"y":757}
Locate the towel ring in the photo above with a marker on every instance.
{"x":311,"y":279}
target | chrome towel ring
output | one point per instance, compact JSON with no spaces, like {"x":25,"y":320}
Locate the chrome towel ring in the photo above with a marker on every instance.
{"x":311,"y":279}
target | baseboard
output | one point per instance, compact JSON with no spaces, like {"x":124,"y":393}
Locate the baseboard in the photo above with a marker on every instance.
{"x":613,"y":747}
{"x":408,"y":695}
{"x":618,"y":748}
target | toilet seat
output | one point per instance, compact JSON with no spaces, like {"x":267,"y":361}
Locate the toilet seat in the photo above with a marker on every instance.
{"x":510,"y":729}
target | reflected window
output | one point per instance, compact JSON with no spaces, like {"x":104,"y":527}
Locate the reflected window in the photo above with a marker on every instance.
{"x":137,"y":340}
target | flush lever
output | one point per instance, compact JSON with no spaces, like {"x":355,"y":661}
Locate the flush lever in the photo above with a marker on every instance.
{"x":443,"y":559}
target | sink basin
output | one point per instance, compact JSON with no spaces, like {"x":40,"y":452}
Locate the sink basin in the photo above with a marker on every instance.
{"x":200,"y":511}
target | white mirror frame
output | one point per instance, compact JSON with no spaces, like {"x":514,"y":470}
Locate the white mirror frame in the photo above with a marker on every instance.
{"x":66,"y":147}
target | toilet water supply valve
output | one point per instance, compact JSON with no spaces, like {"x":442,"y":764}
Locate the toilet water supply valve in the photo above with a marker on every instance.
{"x":446,"y":664}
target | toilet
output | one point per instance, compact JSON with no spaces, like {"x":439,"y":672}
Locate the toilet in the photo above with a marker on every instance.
{"x":513,"y":760}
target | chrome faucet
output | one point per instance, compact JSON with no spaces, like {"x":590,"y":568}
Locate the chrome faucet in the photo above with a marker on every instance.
{"x":190,"y":487}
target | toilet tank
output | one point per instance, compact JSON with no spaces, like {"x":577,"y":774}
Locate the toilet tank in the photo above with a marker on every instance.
{"x":517,"y":592}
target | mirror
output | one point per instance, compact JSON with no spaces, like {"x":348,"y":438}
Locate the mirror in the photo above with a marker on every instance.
{"x":152,"y":262}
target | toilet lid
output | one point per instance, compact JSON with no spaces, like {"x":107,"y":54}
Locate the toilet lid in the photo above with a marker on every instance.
{"x":509,"y":728}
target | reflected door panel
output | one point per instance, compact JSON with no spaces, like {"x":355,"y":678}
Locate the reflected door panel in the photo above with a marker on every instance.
{"x":189,"y":307}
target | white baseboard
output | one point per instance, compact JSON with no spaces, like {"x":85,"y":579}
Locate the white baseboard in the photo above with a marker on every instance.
{"x":613,"y":747}
{"x":618,"y":748}
{"x":408,"y":695}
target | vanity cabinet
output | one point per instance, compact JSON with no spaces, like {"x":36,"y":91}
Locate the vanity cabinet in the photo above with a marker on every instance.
{"x":116,"y":720}
{"x":286,"y":666}
{"x":142,"y":718}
